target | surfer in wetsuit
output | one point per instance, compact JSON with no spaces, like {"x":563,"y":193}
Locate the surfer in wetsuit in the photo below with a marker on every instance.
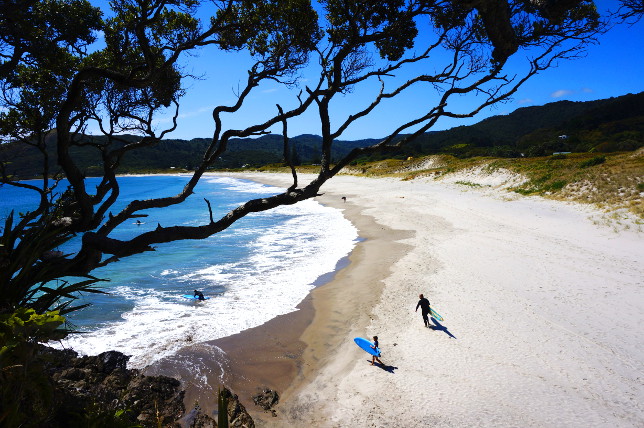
{"x":425,"y":309}
{"x":375,"y":348}
{"x":199,"y":294}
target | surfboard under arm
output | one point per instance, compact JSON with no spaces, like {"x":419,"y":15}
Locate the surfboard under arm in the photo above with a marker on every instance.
{"x":435,"y":314}
{"x":366,"y":346}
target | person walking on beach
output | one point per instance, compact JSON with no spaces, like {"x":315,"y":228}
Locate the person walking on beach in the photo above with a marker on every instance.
{"x":375,"y":348}
{"x":425,"y":309}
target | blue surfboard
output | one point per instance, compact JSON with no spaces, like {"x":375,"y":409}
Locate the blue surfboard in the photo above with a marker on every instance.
{"x":435,"y":314}
{"x":191,"y":297}
{"x":366,"y":345}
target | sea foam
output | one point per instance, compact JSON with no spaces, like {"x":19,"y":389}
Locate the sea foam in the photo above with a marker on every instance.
{"x":269,"y":263}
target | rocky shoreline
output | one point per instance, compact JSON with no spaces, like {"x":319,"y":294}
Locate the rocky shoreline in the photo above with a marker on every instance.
{"x":100,"y":391}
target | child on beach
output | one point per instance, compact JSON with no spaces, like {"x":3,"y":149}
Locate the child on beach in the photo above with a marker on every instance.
{"x":375,"y":348}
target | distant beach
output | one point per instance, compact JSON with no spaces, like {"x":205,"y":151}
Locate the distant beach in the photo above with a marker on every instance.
{"x":542,"y":312}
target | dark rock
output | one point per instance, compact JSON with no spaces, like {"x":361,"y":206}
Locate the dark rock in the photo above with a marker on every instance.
{"x":115,"y":381}
{"x":73,"y":374}
{"x":266,"y":399}
{"x":147,"y":395}
{"x":196,"y":418}
{"x":112,"y":360}
{"x":102,"y":385}
{"x":238,"y":417}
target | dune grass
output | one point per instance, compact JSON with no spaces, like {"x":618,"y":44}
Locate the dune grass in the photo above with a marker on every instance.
{"x":612,"y":181}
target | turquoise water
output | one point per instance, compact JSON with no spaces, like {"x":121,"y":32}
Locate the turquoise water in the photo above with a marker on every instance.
{"x":261,"y":267}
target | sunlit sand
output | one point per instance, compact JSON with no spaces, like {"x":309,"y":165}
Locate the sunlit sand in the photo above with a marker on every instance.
{"x":542,"y":313}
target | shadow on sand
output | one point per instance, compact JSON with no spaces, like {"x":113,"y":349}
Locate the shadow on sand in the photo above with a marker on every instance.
{"x":385,"y":367}
{"x":438,"y":326}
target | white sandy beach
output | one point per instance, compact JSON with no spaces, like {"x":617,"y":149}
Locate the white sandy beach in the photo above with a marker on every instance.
{"x":542,"y":314}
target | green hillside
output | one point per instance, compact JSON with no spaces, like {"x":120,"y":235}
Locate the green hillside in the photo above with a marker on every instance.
{"x":602,"y":126}
{"x":609,"y":125}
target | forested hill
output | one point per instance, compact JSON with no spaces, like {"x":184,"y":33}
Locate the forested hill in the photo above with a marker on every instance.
{"x":614,"y":124}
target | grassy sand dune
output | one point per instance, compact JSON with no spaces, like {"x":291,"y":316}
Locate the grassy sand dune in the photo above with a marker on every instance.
{"x":611,"y":182}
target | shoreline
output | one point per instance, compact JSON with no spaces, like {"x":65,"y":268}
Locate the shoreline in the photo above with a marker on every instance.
{"x":542,"y":310}
{"x":339,"y":308}
{"x":342,"y":307}
{"x":282,"y":353}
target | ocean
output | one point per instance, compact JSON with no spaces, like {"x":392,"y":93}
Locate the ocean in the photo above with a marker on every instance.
{"x":261,"y":267}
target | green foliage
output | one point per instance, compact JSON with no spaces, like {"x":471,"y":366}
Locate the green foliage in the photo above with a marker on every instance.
{"x":27,"y":394}
{"x":27,"y":326}
{"x":543,"y":183}
{"x":31,"y":309}
{"x":38,"y":64}
{"x":388,"y":17}
{"x":468,"y":183}
{"x":93,"y":417}
{"x":268,"y":26}
{"x":524,"y":191}
{"x":30,"y":265}
{"x":597,"y":160}
{"x":555,"y":185}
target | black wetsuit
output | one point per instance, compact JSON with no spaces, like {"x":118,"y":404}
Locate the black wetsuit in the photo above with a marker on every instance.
{"x":424,"y":306}
{"x":199,"y":294}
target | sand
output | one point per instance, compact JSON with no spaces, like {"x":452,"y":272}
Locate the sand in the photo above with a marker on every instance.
{"x":542,"y":314}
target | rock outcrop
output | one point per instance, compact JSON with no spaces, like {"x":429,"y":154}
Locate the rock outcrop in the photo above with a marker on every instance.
{"x":266,"y":400}
{"x":238,"y":417}
{"x":102,"y":389}
{"x":103,"y":385}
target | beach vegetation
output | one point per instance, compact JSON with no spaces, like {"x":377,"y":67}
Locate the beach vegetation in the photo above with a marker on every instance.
{"x":27,"y":395}
{"x":614,"y":184}
{"x":556,"y":185}
{"x":597,"y":160}
{"x":468,"y":183}
{"x":94,"y":417}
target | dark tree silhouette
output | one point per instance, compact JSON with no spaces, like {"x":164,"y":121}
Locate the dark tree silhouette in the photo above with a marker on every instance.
{"x":54,"y":87}
{"x":631,"y":10}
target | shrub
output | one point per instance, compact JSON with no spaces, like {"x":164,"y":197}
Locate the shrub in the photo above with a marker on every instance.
{"x":468,"y":183}
{"x":26,"y":396}
{"x":597,"y":160}
{"x":557,"y":185}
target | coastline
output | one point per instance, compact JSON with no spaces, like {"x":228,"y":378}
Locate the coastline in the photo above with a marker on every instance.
{"x":284,"y":352}
{"x":542,"y":310}
{"x":342,"y":307}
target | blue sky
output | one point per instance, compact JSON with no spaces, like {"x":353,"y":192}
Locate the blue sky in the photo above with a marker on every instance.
{"x":612,"y":68}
